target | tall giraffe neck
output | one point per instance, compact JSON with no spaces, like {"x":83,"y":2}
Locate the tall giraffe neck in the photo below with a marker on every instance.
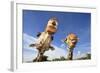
{"x":70,"y":54}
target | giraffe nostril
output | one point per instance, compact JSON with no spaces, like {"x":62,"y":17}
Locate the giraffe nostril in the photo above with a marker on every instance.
{"x":54,"y":23}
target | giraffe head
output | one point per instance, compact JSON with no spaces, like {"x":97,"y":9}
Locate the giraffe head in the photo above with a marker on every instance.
{"x":71,"y":40}
{"x":52,"y":26}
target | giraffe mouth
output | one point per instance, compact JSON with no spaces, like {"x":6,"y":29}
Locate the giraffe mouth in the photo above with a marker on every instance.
{"x":74,"y":42}
{"x":51,"y":29}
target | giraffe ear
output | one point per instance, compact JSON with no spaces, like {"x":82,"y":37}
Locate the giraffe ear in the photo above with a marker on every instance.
{"x":39,"y":33}
{"x":63,"y":40}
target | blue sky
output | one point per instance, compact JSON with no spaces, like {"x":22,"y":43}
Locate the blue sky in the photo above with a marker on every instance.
{"x":68,"y":22}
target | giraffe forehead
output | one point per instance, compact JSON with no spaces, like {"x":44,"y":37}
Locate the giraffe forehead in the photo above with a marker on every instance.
{"x":72,"y":37}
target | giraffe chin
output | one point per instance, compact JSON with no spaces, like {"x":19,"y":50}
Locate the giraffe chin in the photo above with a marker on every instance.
{"x":51,"y":29}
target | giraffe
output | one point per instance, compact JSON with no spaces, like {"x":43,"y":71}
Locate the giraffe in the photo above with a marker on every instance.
{"x":44,"y":39}
{"x":71,"y":40}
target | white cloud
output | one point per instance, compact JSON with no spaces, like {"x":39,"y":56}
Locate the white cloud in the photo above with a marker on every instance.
{"x":32,"y":52}
{"x":29,"y":56}
{"x":27,"y":40}
{"x":29,"y":53}
{"x":79,"y":54}
{"x":57,"y":53}
{"x":63,"y":46}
